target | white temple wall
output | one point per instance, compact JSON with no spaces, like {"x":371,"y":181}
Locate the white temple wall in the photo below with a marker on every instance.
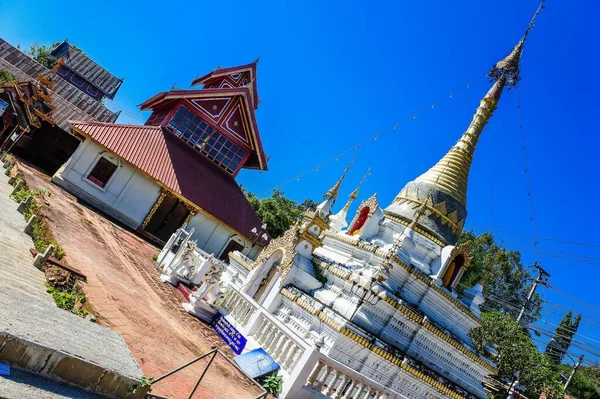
{"x":378,"y":369}
{"x":349,"y":352}
{"x":371,"y":365}
{"x":444,"y":313}
{"x":411,"y":387}
{"x":374,"y":318}
{"x":213,"y":236}
{"x":399,"y":331}
{"x":448,"y":361}
{"x":128,"y":195}
{"x":414,"y":290}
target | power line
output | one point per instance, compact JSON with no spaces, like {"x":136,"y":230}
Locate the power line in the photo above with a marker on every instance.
{"x":524,"y":148}
{"x":374,"y":137}
{"x":540,"y":238}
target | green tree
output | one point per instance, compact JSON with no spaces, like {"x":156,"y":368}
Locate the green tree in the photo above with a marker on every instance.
{"x":514,"y":351}
{"x":506,"y":280}
{"x":277,"y":211}
{"x":585,"y":383}
{"x":6,"y":76}
{"x":563,"y":335}
{"x":308,"y":204}
{"x":41,"y":53}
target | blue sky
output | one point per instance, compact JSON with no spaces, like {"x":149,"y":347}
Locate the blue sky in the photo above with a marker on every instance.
{"x":334,"y":73}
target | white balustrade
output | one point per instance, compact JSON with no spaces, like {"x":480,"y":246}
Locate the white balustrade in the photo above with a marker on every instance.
{"x":338,"y":381}
{"x":278,"y":342}
{"x":240,"y":308}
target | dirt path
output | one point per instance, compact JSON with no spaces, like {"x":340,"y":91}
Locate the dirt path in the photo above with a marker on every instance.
{"x":126,"y":294}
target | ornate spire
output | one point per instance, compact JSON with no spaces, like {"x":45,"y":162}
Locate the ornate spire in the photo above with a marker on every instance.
{"x":338,"y":221}
{"x":334,"y":191}
{"x":508,"y":67}
{"x":354,"y":194}
{"x":451,"y":172}
{"x":441,"y":192}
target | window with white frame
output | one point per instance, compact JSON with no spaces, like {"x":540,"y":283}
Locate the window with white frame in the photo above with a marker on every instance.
{"x":102,"y":172}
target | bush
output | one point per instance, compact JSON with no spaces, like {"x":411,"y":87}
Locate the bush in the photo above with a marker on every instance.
{"x":273,"y":384}
{"x":71,"y":300}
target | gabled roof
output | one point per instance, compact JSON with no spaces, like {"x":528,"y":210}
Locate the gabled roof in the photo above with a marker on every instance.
{"x":85,"y":67}
{"x":220,"y":72}
{"x":70,"y":102}
{"x":165,"y":97}
{"x":172,"y":164}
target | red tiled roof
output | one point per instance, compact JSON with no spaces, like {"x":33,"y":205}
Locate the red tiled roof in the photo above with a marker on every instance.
{"x":166,"y":159}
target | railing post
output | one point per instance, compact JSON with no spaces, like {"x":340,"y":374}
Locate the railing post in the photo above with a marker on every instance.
{"x":331,"y":385}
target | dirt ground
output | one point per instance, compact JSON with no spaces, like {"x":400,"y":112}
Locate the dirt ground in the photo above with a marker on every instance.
{"x":127,"y":296}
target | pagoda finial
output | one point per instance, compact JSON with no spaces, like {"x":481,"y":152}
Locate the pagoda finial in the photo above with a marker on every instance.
{"x":333,"y":192}
{"x":442,"y":190}
{"x":354,"y":194}
{"x":257,"y":59}
{"x":508,"y":68}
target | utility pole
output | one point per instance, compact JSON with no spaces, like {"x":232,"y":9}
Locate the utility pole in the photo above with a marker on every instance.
{"x":542,"y":278}
{"x":574,"y":371}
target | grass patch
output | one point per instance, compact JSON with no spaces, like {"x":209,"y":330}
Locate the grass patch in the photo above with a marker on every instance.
{"x":72,"y":299}
{"x":41,"y":234}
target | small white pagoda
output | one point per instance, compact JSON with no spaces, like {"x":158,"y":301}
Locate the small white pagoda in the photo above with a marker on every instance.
{"x":368,"y":309}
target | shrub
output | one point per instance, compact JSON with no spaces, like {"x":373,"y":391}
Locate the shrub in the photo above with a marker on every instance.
{"x":273,"y":384}
{"x":71,"y":300}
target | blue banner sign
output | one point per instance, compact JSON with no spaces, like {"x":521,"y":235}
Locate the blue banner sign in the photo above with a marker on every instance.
{"x":230,"y":335}
{"x":3,"y":106}
{"x":256,"y":363}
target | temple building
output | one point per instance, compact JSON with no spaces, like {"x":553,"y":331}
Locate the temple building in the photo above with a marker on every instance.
{"x":180,"y":167}
{"x":71,"y":91}
{"x":365,"y":309}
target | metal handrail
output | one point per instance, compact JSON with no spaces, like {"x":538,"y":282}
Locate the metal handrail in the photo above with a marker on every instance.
{"x":213,"y":353}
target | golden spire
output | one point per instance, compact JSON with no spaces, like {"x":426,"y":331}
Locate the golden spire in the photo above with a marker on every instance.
{"x":451,"y":173}
{"x":437,"y":199}
{"x":333,"y":192}
{"x":354,"y":194}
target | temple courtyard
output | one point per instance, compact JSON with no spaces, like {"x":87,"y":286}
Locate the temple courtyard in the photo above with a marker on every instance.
{"x":126,"y":295}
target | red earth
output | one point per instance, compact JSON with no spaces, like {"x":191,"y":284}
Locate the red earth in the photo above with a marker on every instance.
{"x":126,"y":295}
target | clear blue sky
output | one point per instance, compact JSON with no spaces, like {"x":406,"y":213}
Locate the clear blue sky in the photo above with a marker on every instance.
{"x":334,"y":73}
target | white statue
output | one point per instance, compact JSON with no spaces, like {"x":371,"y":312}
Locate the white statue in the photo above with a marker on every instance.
{"x":209,"y":284}
{"x":184,"y":267}
{"x":205,"y":301}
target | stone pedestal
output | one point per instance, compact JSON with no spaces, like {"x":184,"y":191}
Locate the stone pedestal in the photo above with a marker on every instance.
{"x":169,"y":278}
{"x":41,"y":258}
{"x":200,"y":309}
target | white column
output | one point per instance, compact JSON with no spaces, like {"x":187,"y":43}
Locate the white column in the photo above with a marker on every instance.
{"x":331,"y":385}
{"x":315,"y":374}
{"x":340,"y":388}
{"x":323,"y":378}
{"x":261,"y":331}
{"x":368,"y":394}
{"x":290,"y":361}
{"x":359,"y":390}
{"x":348,"y":393}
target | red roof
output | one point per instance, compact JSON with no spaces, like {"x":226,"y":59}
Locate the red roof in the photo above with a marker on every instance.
{"x":166,"y":96}
{"x":251,"y":68}
{"x":163,"y":157}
